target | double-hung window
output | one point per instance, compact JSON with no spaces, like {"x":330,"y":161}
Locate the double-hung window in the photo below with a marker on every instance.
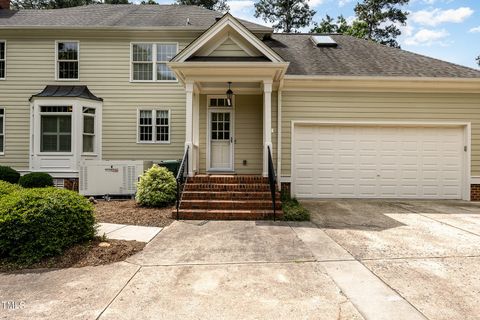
{"x":2,"y":130}
{"x":67,"y":59}
{"x":154,"y":126}
{"x":88,"y":138}
{"x":149,"y":61}
{"x":56,"y":129}
{"x":3,"y":60}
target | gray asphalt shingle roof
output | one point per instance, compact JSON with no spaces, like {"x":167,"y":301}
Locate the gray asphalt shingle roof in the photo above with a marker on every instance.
{"x":352,"y":56}
{"x":358,"y":57}
{"x":105,"y":15}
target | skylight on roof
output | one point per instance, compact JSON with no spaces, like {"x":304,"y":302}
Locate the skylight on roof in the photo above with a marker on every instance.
{"x":324,"y":41}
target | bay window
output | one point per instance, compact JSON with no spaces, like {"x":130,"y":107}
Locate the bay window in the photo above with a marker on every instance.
{"x":149,"y":61}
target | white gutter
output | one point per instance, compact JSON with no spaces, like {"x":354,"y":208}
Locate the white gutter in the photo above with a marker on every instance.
{"x":117,"y":28}
{"x":381,"y":78}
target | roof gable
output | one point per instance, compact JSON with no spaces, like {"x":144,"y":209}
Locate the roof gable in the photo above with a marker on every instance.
{"x":227,"y":38}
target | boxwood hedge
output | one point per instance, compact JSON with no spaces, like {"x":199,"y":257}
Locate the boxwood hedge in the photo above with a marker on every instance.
{"x":7,"y":188}
{"x":8,"y":174}
{"x":36,"y":223}
{"x":36,"y":180}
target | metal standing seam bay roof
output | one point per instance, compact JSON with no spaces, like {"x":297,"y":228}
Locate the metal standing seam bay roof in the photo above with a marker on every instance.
{"x":119,"y":15}
{"x":359,"y":57}
{"x":51,"y":91}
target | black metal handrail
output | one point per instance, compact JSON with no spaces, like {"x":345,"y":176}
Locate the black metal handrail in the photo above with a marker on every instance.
{"x":182,"y":178}
{"x":272,"y":180}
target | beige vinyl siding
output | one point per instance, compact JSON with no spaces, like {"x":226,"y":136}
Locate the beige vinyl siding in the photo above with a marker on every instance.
{"x":370,"y":106}
{"x":248,"y":132}
{"x":228,"y":49}
{"x":105,"y":69}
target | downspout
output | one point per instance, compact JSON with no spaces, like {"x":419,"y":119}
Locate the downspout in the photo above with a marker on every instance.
{"x":279,"y":134}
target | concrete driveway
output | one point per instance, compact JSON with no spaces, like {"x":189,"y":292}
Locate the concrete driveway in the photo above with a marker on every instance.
{"x":356,"y":260}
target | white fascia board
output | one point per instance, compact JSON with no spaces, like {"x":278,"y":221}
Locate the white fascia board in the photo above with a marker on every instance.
{"x":227,"y":20}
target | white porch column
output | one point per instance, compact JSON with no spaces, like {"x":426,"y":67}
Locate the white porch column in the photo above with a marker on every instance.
{"x":189,"y":125}
{"x":196,"y":129}
{"x":267,"y":123}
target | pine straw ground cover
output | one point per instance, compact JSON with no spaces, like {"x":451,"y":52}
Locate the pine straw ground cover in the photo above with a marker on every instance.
{"x":129,"y":212}
{"x":90,"y":253}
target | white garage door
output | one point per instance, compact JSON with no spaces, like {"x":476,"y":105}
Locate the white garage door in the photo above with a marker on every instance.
{"x":378,"y":162}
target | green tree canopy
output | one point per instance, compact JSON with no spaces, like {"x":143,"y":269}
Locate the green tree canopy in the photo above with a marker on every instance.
{"x":116,"y":2}
{"x":58,"y":4}
{"x":382,"y":18}
{"x":286,"y":15}
{"x":218,"y":5}
{"x":327,"y":25}
{"x":478,"y":60}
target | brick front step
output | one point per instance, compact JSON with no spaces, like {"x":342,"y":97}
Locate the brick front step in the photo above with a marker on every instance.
{"x":217,"y":187}
{"x":233,"y":195}
{"x":202,"y":214}
{"x":229,"y":204}
{"x":225,"y":179}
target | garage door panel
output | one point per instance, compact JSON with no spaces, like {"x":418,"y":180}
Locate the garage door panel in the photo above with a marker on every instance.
{"x":383,"y":162}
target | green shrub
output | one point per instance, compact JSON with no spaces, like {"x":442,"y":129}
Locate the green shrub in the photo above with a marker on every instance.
{"x":37,"y":223}
{"x":36,"y":180}
{"x":7,"y":188}
{"x":293,"y":210}
{"x":8,"y":174}
{"x":157,"y":187}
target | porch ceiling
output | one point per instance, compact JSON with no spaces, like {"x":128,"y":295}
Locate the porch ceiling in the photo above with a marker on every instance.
{"x":237,"y":87}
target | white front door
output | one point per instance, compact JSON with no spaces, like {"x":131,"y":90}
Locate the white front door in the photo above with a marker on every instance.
{"x":221,"y":140}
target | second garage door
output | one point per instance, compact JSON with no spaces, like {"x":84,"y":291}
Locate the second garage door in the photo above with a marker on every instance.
{"x":378,"y":162}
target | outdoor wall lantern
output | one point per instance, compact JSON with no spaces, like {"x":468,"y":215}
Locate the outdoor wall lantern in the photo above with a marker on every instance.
{"x":229,"y":94}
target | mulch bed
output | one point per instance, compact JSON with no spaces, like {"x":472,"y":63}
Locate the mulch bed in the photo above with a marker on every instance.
{"x":128,"y":212}
{"x":81,"y":255}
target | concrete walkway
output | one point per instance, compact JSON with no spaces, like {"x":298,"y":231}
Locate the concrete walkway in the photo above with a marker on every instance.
{"x":127,"y":232}
{"x":392,"y":264}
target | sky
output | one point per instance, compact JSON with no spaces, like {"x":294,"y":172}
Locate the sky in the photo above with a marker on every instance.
{"x":444,"y":29}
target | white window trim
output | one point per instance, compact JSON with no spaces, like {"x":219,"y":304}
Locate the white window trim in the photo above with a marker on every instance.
{"x":5,"y":59}
{"x":95,"y":128}
{"x":154,"y":61}
{"x":2,"y":117}
{"x":154,"y":119}
{"x":57,"y":78}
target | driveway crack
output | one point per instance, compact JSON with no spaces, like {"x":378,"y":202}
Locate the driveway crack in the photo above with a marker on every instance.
{"x":118,"y":293}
